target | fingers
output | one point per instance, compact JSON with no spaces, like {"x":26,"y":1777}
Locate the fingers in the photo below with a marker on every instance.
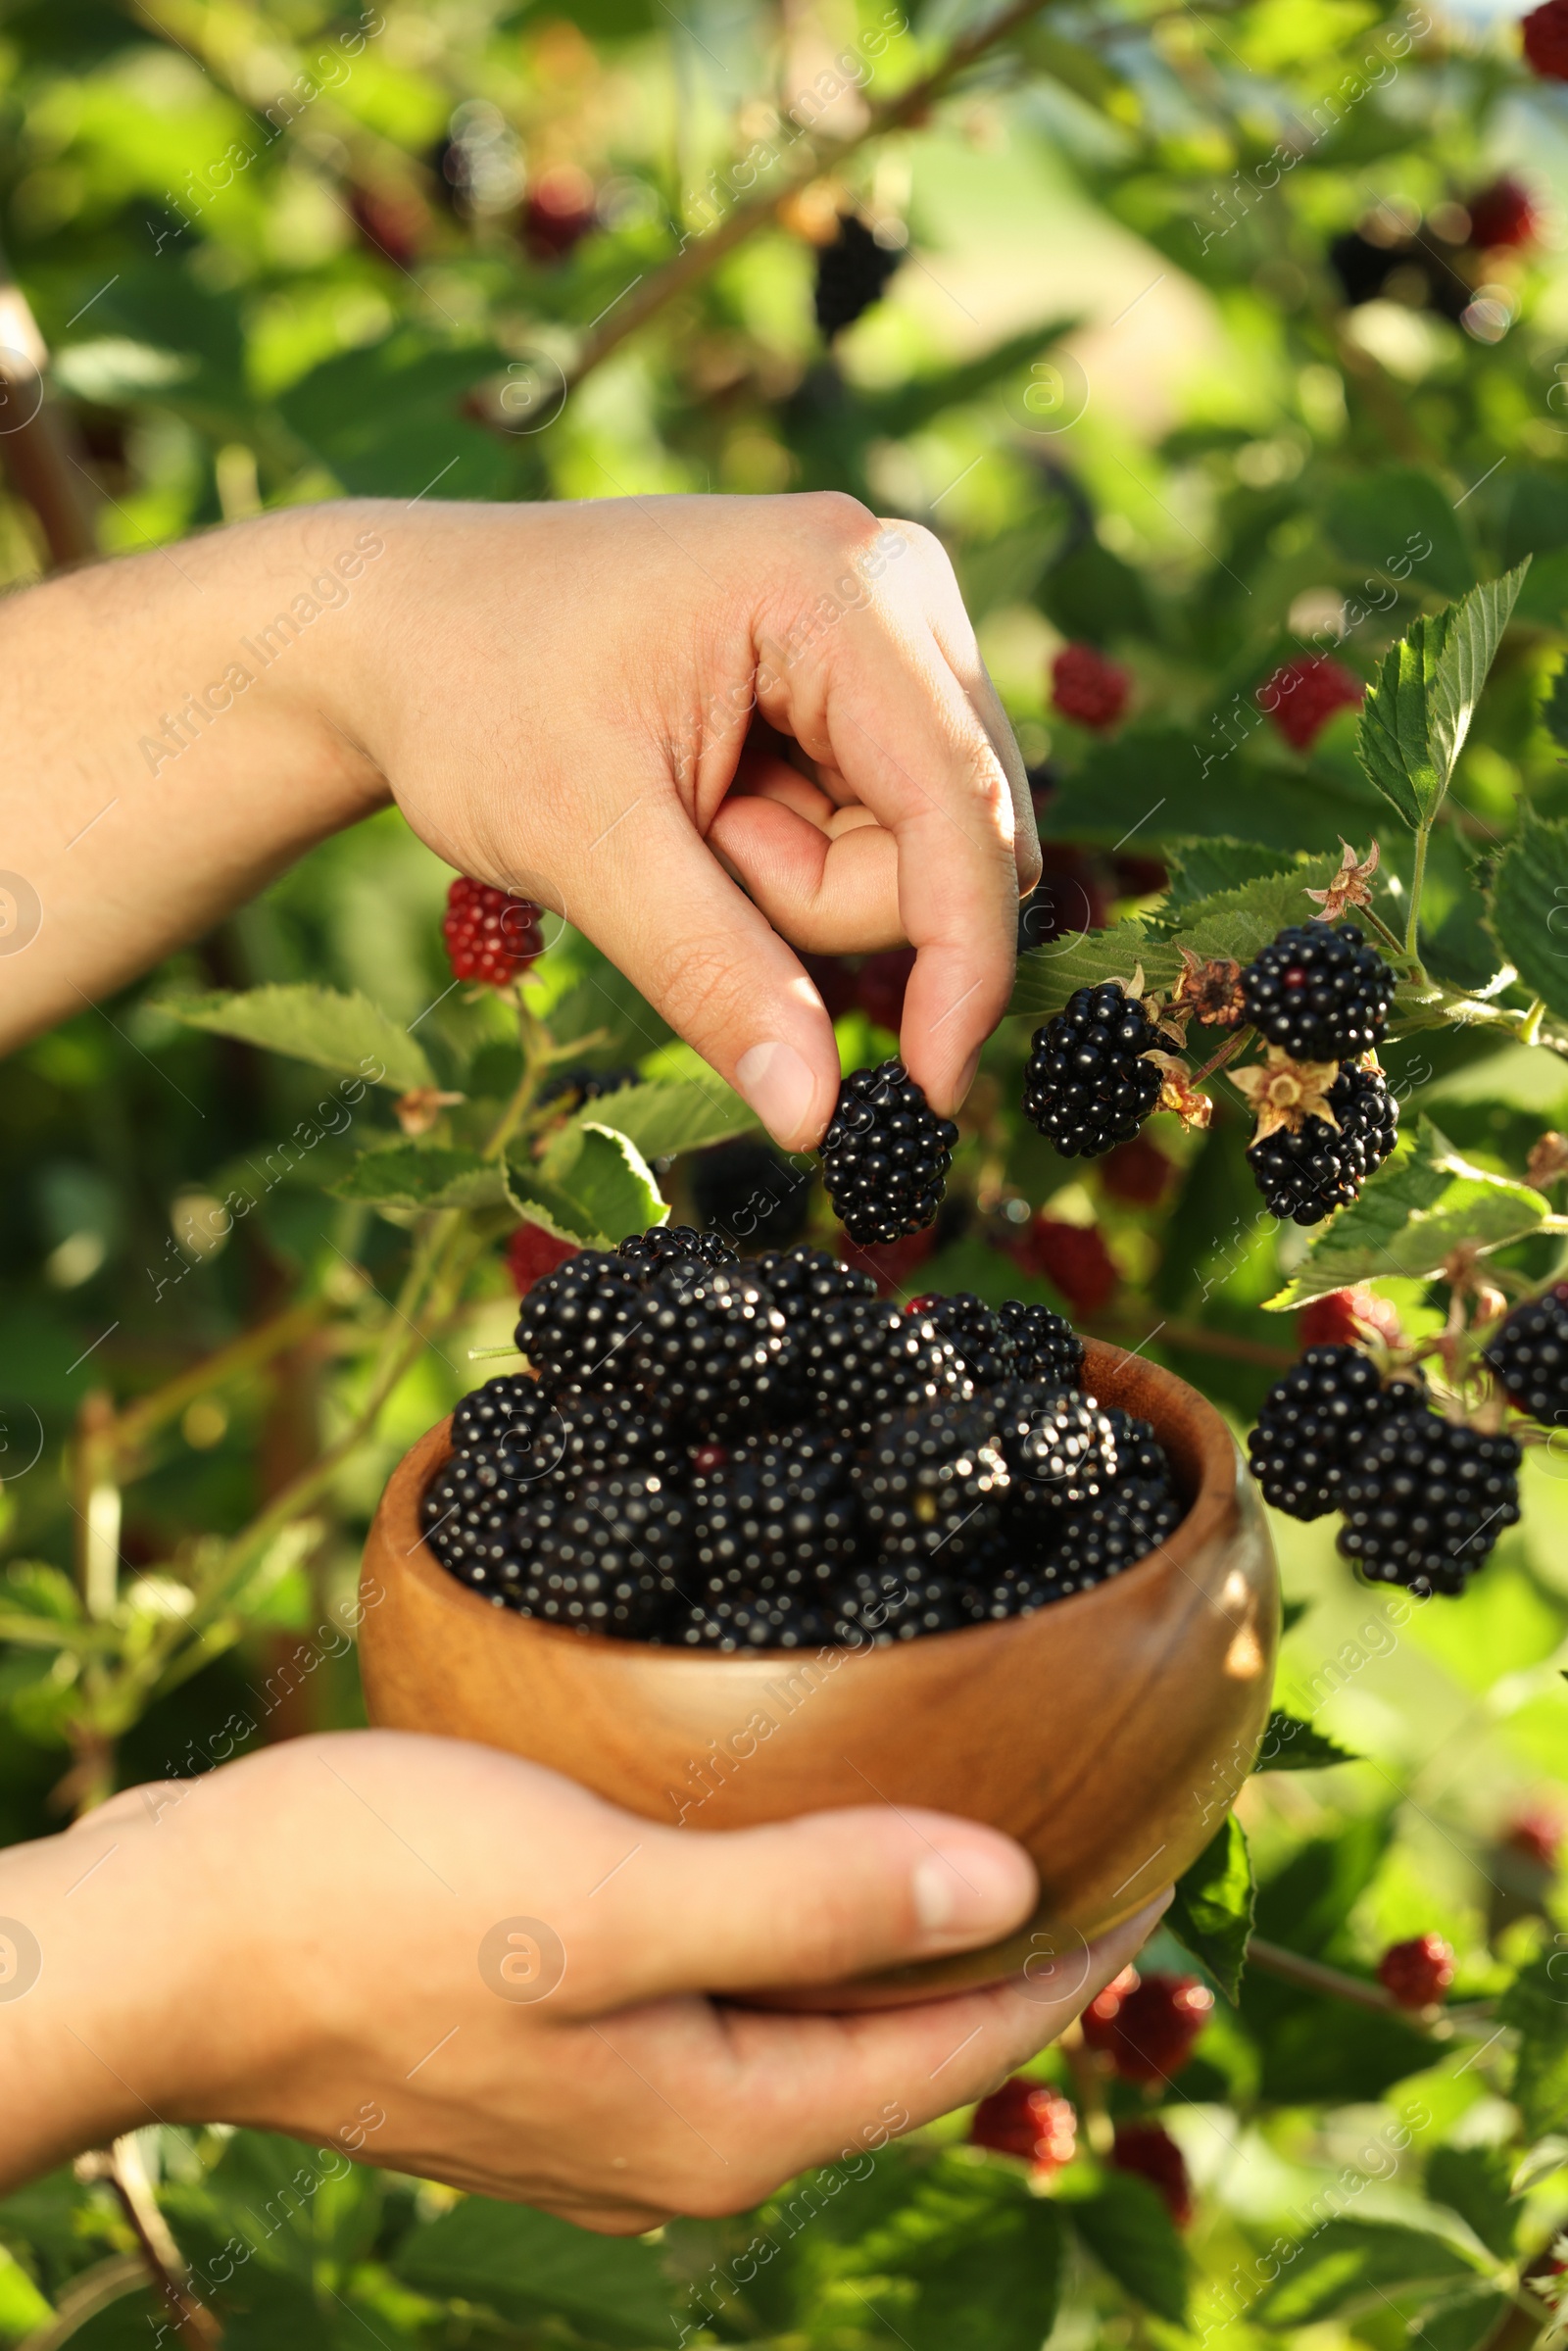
{"x":662,"y":909}
{"x":807,"y":1901}
{"x":830,"y":893}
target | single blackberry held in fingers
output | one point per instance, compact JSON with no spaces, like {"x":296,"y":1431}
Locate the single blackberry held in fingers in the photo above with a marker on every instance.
{"x":1424,"y":1499}
{"x":1321,"y":994}
{"x":885,"y":1155}
{"x":1315,"y":1421}
{"x":1306,"y":1174}
{"x":1529,"y":1357}
{"x":1089,"y":1082}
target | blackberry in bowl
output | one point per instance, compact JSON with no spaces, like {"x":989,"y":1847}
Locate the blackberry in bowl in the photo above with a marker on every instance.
{"x":948,"y":1556}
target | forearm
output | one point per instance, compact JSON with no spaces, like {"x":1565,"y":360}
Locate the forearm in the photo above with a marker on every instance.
{"x":176,"y":735}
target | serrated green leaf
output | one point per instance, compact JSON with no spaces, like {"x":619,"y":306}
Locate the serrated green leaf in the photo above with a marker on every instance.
{"x":597,"y":1173}
{"x":1528,"y":906}
{"x":418,"y":1175}
{"x":1202,"y":869}
{"x":345,"y":1033}
{"x":1048,"y":974}
{"x":1344,"y":2265}
{"x":1127,"y":2228}
{"x":524,"y":2263}
{"x":1410,"y":1218}
{"x":1238,"y":922}
{"x":1417,"y":713}
{"x":1291,"y":1744}
{"x":994,"y":2287}
{"x":666,"y":1116}
{"x":1477,"y":2182}
{"x":1535,"y":2005}
{"x":1212,"y":1912}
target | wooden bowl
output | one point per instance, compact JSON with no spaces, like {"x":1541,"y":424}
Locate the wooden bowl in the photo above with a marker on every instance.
{"x":1108,"y":1733}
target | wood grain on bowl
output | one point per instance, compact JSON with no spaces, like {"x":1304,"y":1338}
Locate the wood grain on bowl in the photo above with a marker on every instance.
{"x":1108,"y":1733}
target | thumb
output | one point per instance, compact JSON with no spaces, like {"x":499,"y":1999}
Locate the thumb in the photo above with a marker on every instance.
{"x":816,"y":1899}
{"x":662,"y":907}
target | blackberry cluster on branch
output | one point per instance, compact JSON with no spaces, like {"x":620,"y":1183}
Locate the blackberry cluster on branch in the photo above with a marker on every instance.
{"x":1529,"y":1357}
{"x":851,"y":273}
{"x":1306,"y":1176}
{"x":732,"y":1457}
{"x":885,"y":1155}
{"x":1088,"y":1083}
{"x":1424,"y":1499}
{"x":1313,"y":1423}
{"x":1321,"y":994}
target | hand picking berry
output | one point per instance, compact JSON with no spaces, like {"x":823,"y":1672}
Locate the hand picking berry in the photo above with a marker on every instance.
{"x":1319,"y":994}
{"x":1416,"y":1974}
{"x":885,"y":1155}
{"x":1089,"y":1082}
{"x":490,"y":935}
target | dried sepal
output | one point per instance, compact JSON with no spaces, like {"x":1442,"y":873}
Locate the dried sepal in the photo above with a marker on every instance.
{"x":1209,"y":988}
{"x":1351,"y":886}
{"x":1285,"y":1094}
{"x":1178,"y":1093}
{"x":422,"y":1106}
{"x":1548,"y":1161}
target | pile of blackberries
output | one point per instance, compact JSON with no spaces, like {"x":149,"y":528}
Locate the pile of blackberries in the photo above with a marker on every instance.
{"x":722,"y":1455}
{"x":1422,"y":1499}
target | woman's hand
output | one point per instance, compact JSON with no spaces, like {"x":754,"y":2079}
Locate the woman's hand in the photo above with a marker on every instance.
{"x":627,"y":709}
{"x":444,"y":1960}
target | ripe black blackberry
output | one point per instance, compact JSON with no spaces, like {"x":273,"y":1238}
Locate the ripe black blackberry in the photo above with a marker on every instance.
{"x":749,"y":1192}
{"x":932,"y":1487}
{"x":850,"y":274}
{"x":897,"y":1603}
{"x":475,"y":1524}
{"x":860,"y":1360}
{"x":885,"y":1156}
{"x":778,"y":1516}
{"x":574,"y":1325}
{"x":1320,"y":993}
{"x":1063,"y":1449}
{"x":712,"y":1349}
{"x":613,"y":1559}
{"x":1529,"y":1357}
{"x":645,"y":1255}
{"x":512,"y":1401}
{"x":1044,"y":1347}
{"x":781,"y":1620}
{"x":1123,"y":1525}
{"x":596,"y":1434}
{"x":975,"y":1332}
{"x":1307,"y":1175}
{"x":1424,"y":1499}
{"x":1088,"y":1084}
{"x":1313,"y":1423}
{"x":803,"y":1278}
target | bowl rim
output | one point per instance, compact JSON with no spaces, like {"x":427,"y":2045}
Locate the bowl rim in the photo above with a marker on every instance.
{"x":1208,"y":1518}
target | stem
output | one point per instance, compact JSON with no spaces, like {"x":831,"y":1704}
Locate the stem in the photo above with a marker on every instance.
{"x":1413,"y":928}
{"x":131,"y":1428}
{"x":1226,"y":1052}
{"x":122,"y":2168}
{"x":1389,"y":938}
{"x":1315,"y":1975}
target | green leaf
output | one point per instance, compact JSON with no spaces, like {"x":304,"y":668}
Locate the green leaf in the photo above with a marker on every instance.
{"x":1212,"y":1912}
{"x":1399,"y":522}
{"x":1202,"y":869}
{"x":1048,"y":974}
{"x":1535,"y":2005}
{"x":994,"y":2287}
{"x":1238,"y":922}
{"x":1291,"y":1744}
{"x":1416,"y":717}
{"x":1154,"y":783}
{"x":1411,"y":1216}
{"x":1320,"y":2051}
{"x":21,"y":2307}
{"x":526,"y":2264}
{"x":1345,"y":2266}
{"x":1544,"y":598}
{"x":665,"y":1118}
{"x":1463,"y":2319}
{"x":423,"y":1175}
{"x":1127,"y":2228}
{"x":602,"y":1175}
{"x":345,"y":1033}
{"x":1476,"y":2182}
{"x":1528,"y":908}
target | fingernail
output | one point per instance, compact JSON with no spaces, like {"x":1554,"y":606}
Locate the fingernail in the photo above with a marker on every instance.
{"x":778,"y":1083}
{"x":965,"y":1892}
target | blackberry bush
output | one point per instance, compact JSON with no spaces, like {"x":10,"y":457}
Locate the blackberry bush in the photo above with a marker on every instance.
{"x":1320,"y":993}
{"x":1089,"y":1082}
{"x":885,"y":1155}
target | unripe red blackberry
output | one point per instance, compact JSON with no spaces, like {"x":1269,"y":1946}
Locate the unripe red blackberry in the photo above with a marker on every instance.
{"x":1088,"y":688}
{"x":1148,"y":2150}
{"x":1338,"y":1320}
{"x":558,"y":212}
{"x":1425,"y":1500}
{"x":885,"y":1155}
{"x":1146,"y":2029}
{"x":1546,"y":41}
{"x":1072,"y":1258}
{"x":1417,"y":1973}
{"x":1088,"y":1083}
{"x":1502,"y":216}
{"x":532,"y":1252}
{"x":1319,"y":992}
{"x":490,"y":935}
{"x":1138,"y":1172}
{"x":851,"y":273}
{"x":1028,"y":2120}
{"x":1314,"y":1422}
{"x":1307,"y":1175}
{"x":1529,"y":1355}
{"x":932,"y":1487}
{"x":711,"y":1348}
{"x":1304,"y":695}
